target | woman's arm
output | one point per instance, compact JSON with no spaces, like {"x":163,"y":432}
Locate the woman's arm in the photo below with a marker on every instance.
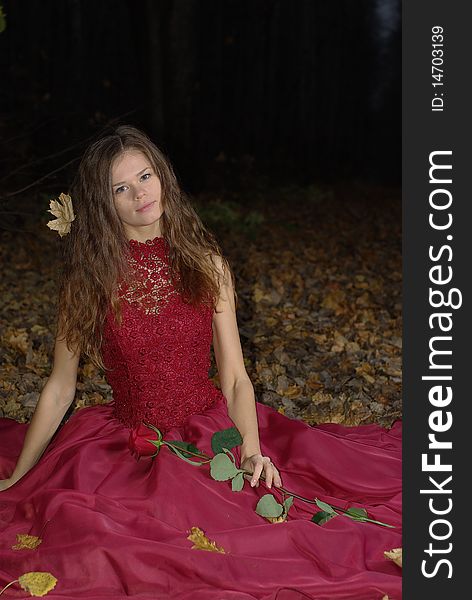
{"x":234,"y":380}
{"x":56,"y":397}
{"x":237,"y":387}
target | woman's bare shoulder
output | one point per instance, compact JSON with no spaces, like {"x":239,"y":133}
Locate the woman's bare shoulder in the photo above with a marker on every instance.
{"x":222,"y":266}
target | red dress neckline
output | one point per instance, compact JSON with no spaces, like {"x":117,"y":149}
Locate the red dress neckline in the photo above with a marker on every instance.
{"x":148,"y":242}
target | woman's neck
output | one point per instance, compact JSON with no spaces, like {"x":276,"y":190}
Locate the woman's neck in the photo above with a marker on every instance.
{"x":143,"y":234}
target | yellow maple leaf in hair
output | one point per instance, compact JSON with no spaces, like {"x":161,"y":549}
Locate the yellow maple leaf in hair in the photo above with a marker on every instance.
{"x":64,"y":213}
{"x":37,"y":583}
{"x":201,"y":542}
{"x":26,"y":541}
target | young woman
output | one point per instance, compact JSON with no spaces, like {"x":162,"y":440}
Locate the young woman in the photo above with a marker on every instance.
{"x":144,"y":292}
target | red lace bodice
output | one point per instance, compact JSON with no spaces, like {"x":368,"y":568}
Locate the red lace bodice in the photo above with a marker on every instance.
{"x":160,"y":355}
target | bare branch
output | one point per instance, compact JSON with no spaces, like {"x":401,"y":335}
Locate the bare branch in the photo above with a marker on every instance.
{"x":63,"y":151}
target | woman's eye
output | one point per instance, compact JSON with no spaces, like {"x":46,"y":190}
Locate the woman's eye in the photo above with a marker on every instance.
{"x":119,"y":189}
{"x":146,"y":176}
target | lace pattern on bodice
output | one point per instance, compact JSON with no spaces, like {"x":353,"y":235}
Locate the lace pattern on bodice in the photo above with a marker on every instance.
{"x":151,"y":288}
{"x":159,"y":357}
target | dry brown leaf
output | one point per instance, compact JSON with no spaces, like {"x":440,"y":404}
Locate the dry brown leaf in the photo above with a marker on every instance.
{"x":293,"y":391}
{"x":260,"y":294}
{"x":395,"y":555}
{"x":92,"y":399}
{"x":17,"y":339}
{"x":321,"y":398}
{"x":313,"y":381}
{"x":363,"y":299}
{"x":89,"y":370}
{"x":64,"y":213}
{"x":366,"y":371}
{"x":201,"y":542}
{"x":280,"y":519}
{"x":37,"y":583}
{"x":26,"y":541}
{"x":334,"y":300}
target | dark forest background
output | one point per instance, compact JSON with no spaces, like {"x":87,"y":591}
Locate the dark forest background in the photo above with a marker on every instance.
{"x":233,"y":90}
{"x":282,"y":119}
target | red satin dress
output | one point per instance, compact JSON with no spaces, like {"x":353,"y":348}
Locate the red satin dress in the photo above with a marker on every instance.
{"x":115,"y":526}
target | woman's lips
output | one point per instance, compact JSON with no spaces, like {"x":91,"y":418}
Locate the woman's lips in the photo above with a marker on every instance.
{"x":145,"y":207}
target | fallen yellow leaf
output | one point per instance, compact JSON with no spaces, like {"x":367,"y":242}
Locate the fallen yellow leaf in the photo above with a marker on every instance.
{"x":201,"y":542}
{"x":26,"y":541}
{"x":37,"y":583}
{"x":395,"y":555}
{"x":280,"y":519}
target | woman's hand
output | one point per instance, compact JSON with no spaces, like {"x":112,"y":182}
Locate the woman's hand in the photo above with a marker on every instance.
{"x":5,"y":484}
{"x":256,"y":464}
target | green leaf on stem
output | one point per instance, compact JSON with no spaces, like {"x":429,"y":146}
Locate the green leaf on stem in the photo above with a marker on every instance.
{"x":222,"y":467}
{"x":231,"y":454}
{"x":322,"y":517}
{"x":356,"y":513}
{"x":186,"y":446}
{"x":180,"y":455}
{"x":226,"y":438}
{"x":324,"y":506}
{"x":287,"y":504}
{"x":237,"y":482}
{"x":269,"y":507}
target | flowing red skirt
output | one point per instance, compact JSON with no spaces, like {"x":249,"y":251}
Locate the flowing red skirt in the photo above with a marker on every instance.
{"x":114,"y":527}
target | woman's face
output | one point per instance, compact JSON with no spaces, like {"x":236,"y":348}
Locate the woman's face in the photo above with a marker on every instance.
{"x":136,"y":192}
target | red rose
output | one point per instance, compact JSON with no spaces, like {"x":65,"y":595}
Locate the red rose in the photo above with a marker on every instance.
{"x":139,"y":443}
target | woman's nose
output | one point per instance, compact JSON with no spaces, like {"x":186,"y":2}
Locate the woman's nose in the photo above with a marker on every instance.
{"x":139,"y":191}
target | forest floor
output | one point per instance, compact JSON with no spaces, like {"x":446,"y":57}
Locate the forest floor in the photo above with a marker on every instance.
{"x":318,"y":275}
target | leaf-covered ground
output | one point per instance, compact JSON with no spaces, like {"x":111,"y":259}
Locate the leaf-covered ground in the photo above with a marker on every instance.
{"x":318,"y":275}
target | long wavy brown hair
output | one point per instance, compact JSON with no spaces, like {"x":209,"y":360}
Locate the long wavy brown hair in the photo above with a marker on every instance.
{"x":96,"y":251}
